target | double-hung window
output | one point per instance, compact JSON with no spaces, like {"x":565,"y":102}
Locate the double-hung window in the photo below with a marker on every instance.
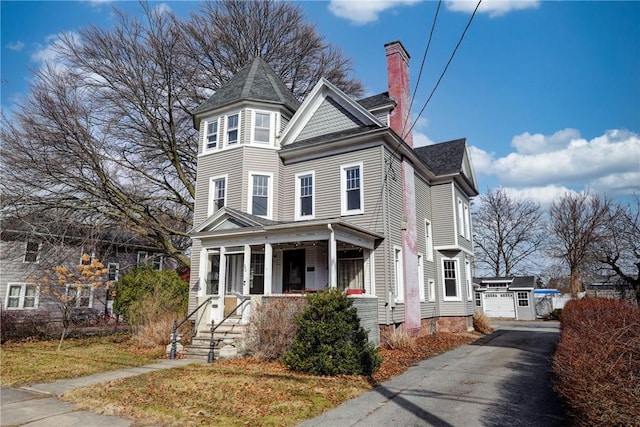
{"x":217,"y":193}
{"x":232,"y":129}
{"x":31,"y":252}
{"x":399,"y":273}
{"x":421,"y":276}
{"x":450,"y":279}
{"x":351,"y":189}
{"x":260,"y":203}
{"x":21,"y":296}
{"x":428,"y":237}
{"x":212,"y":135}
{"x":113,"y":271}
{"x":80,"y":295}
{"x":262,"y":128}
{"x":305,"y":203}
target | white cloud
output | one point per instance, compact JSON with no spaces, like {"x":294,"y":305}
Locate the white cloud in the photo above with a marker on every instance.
{"x":492,"y":7}
{"x":364,"y":11}
{"x":420,"y":139}
{"x":609,"y":163}
{"x":17,"y":46}
{"x":542,"y":195}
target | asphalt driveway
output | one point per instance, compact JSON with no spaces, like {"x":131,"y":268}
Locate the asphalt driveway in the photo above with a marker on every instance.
{"x":503,"y":379}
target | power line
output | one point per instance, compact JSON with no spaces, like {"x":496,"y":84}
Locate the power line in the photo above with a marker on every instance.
{"x":445,"y":69}
{"x":424,"y":57}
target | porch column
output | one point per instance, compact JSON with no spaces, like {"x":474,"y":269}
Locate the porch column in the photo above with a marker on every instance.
{"x":246,"y":275}
{"x":222,"y":284}
{"x":202,"y":279}
{"x":268,"y":269}
{"x":333,"y":265}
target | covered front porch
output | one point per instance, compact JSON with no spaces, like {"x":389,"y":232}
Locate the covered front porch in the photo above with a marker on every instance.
{"x":243,"y":256}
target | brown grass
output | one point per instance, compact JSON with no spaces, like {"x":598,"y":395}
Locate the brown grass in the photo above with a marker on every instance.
{"x":398,"y":339}
{"x":157,"y":332}
{"x":597,"y":363}
{"x":39,"y":362}
{"x":481,"y":323}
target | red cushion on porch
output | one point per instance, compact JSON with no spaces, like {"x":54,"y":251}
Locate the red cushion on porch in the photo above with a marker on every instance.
{"x":354,"y":291}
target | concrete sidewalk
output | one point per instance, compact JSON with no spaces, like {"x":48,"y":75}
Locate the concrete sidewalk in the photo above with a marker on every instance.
{"x":37,"y":404}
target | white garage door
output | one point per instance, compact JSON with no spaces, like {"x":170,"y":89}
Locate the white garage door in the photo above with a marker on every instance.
{"x":499,"y":304}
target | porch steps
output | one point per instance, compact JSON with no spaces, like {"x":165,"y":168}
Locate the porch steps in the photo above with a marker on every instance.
{"x":229,"y":341}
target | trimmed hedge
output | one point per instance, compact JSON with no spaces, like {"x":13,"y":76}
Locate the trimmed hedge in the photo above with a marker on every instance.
{"x":597,"y":362}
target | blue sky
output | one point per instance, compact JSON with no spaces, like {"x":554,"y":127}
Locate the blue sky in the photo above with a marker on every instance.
{"x":547,"y":93}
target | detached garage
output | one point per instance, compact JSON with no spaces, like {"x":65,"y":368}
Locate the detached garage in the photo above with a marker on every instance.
{"x":506,"y":297}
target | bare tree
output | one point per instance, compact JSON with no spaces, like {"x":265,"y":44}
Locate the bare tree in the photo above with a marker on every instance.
{"x":508,"y":232}
{"x":578,"y":227}
{"x":276,"y":31}
{"x":620,"y":252}
{"x":107,"y":133}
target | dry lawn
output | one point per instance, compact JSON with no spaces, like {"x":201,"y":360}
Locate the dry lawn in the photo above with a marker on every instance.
{"x":39,"y":362}
{"x":245,"y":392}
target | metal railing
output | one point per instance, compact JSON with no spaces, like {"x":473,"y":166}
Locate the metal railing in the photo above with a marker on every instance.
{"x":176,"y":325}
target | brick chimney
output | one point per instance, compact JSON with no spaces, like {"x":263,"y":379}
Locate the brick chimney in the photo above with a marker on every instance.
{"x":398,"y":81}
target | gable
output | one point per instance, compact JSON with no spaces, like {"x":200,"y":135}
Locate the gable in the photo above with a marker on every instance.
{"x":329,"y":117}
{"x":467,"y":169}
{"x":327,"y":110}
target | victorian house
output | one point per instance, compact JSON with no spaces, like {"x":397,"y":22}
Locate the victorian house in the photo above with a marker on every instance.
{"x":330,"y":193}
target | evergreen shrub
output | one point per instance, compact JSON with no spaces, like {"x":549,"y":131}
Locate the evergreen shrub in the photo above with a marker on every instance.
{"x":330,"y":340}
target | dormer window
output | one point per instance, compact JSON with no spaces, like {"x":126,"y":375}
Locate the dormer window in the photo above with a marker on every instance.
{"x":232,"y":129}
{"x":212,"y":135}
{"x":262,"y":128}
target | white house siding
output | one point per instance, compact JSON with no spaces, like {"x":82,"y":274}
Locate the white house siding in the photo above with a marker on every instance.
{"x":326,"y":120}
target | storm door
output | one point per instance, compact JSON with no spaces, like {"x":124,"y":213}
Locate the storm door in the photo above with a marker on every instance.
{"x":235,"y":270}
{"x":293,"y":270}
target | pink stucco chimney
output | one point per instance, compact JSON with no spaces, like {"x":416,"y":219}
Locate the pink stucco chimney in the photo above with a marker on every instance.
{"x":399,"y":90}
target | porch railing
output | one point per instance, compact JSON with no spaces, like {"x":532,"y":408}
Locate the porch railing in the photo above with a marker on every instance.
{"x":176,"y":325}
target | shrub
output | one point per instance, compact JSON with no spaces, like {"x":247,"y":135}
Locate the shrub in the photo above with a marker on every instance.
{"x":398,"y":340}
{"x":273,"y":327}
{"x":330,"y":340}
{"x":19,"y":325}
{"x":481,"y":323}
{"x":597,"y":362}
{"x":157,"y":332}
{"x":144,"y":294}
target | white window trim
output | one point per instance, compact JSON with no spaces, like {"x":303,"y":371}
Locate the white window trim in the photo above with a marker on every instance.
{"x":526,"y":297}
{"x":226,"y":130}
{"x":251,"y":174}
{"x":141,"y":260}
{"x":428,"y":239}
{"x":343,"y":189}
{"x":24,"y":255}
{"x":467,"y":273}
{"x":66,"y":293}
{"x":212,"y":180}
{"x":461,"y":231}
{"x":421,"y":276}
{"x":206,"y":135}
{"x":21,"y":297}
{"x":272,"y":120}
{"x":458,"y":296}
{"x":398,"y":278}
{"x":298,"y":203}
{"x":467,"y":222}
{"x":432,"y":289}
{"x":117,"y":267}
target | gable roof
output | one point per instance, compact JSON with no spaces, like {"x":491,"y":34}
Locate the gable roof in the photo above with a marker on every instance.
{"x":377,"y":101}
{"x":444,"y":158}
{"x":232,"y":216}
{"x":324,"y":97}
{"x":256,"y":81}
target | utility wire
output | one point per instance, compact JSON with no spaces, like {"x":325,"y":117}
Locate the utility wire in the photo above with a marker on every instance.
{"x":424,"y":57}
{"x":445,"y":69}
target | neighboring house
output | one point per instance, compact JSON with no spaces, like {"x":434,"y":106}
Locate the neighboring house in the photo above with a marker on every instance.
{"x":506,"y":297}
{"x":608,"y":287}
{"x":294,"y":198}
{"x":28,"y":250}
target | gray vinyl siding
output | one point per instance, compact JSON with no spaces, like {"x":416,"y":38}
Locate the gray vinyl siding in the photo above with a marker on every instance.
{"x":256,"y":159}
{"x":423,"y":211}
{"x":443,"y":215}
{"x":327,"y":119}
{"x":225,"y":162}
{"x":194,"y":278}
